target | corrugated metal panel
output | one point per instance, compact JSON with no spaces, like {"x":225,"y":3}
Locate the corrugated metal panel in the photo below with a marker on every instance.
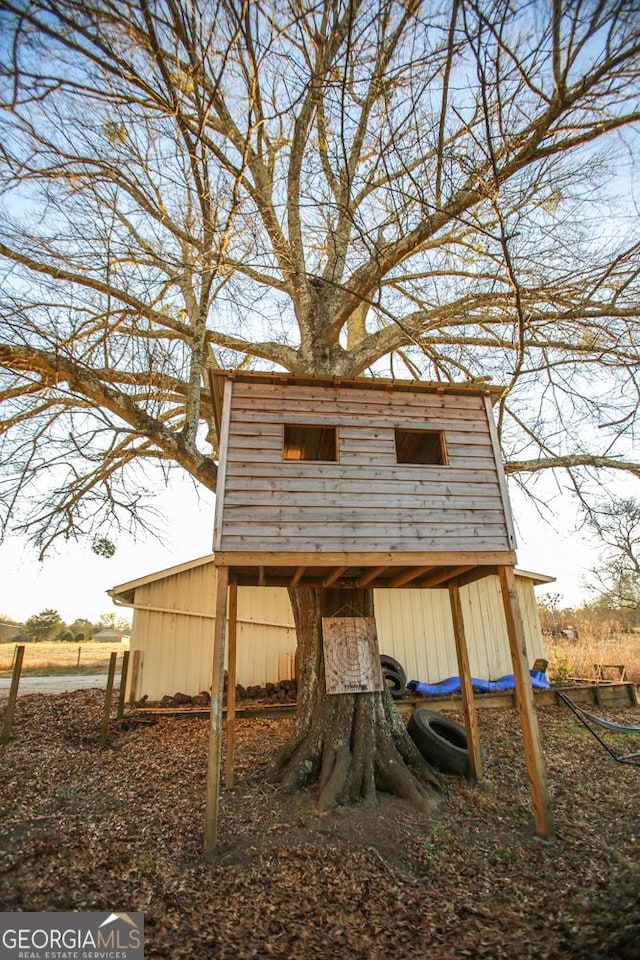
{"x":421,"y":636}
{"x":175,"y":633}
{"x":489,"y":653}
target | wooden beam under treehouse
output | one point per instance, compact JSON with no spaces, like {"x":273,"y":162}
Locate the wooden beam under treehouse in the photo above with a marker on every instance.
{"x":331,"y":578}
{"x":475,"y":573}
{"x":401,"y":578}
{"x":376,"y":558}
{"x":441,"y":576}
{"x":371,"y":575}
{"x":297,"y":577}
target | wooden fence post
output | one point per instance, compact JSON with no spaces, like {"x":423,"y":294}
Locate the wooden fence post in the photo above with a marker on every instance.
{"x":123,"y":683}
{"x":13,"y":694}
{"x":135,"y":670}
{"x":104,"y":729}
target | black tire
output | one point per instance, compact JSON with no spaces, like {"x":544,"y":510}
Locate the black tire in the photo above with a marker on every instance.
{"x":395,"y":683}
{"x":440,"y":740}
{"x":393,"y":676}
{"x":391,"y":664}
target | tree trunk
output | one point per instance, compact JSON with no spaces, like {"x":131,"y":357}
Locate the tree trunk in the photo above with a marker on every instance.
{"x":351,"y":745}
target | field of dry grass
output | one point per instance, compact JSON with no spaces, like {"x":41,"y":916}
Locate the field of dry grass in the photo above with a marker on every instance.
{"x":55,"y":657}
{"x":577,"y":658}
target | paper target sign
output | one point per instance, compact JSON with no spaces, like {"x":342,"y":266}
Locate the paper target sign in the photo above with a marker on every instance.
{"x":351,"y":656}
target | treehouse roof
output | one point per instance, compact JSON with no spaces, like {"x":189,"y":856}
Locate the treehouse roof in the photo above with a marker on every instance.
{"x":471,"y":388}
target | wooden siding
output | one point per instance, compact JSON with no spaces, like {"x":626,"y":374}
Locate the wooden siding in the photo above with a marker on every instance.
{"x":366,"y":501}
{"x":173,"y":627}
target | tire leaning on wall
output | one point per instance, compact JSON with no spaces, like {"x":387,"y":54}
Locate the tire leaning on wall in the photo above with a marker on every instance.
{"x":440,"y":740}
{"x":393,"y":676}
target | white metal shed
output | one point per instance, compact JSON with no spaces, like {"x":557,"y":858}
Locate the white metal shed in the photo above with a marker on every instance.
{"x":174,"y":618}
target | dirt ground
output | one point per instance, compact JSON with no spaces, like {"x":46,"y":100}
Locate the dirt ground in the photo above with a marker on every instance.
{"x":120,"y":828}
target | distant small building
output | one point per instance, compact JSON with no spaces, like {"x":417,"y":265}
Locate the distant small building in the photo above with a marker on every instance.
{"x":110,"y":636}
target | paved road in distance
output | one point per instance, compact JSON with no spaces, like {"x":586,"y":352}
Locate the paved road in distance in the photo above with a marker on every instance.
{"x":59,"y":684}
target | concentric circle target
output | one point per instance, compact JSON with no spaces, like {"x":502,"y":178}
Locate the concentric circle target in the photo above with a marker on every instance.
{"x":351,"y":658}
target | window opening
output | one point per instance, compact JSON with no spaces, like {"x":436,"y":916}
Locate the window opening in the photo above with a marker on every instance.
{"x":309,"y":443}
{"x":421,"y":446}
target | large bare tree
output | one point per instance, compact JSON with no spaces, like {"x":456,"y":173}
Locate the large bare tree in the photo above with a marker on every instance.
{"x":434,"y":190}
{"x":616,"y":579}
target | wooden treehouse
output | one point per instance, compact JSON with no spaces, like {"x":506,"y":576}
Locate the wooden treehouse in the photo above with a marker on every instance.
{"x":369,"y":483}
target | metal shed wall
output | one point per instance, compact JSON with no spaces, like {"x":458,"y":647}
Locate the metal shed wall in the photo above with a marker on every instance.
{"x":420,"y":634}
{"x":173,"y":627}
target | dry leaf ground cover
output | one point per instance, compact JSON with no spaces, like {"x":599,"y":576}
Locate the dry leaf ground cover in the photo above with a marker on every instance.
{"x":121,"y":827}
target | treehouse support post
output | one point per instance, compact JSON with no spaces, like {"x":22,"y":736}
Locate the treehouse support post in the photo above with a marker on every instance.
{"x":468,"y":704}
{"x":231,"y":684}
{"x":215,"y":721}
{"x":524,"y":696}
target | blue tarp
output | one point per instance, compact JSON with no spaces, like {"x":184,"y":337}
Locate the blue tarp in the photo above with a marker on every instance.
{"x":452,"y":685}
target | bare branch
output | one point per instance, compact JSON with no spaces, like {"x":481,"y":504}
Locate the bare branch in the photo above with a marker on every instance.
{"x":440,"y":191}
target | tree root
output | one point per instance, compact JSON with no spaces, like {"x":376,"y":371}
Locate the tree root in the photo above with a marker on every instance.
{"x":358,"y":748}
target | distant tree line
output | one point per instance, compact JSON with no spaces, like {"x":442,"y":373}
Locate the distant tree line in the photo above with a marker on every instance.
{"x":599,"y":617}
{"x":613,"y":584}
{"x":49,"y":625}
